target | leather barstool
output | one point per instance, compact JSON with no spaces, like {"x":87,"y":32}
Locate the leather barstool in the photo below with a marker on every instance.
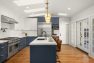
{"x":58,"y":48}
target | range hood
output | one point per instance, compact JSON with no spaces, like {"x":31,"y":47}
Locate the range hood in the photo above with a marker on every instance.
{"x":5,"y":19}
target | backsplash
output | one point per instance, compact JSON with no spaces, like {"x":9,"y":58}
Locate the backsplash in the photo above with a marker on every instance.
{"x":11,"y":33}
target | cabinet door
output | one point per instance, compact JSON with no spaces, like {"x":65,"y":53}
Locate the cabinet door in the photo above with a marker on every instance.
{"x":22,"y":43}
{"x":29,"y":39}
{"x":3,"y":47}
{"x":83,"y":35}
{"x":3,"y":52}
{"x":92,"y":36}
{"x":3,"y":57}
{"x":73,"y":34}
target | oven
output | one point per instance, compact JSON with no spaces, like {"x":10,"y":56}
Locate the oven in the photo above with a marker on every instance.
{"x":13,"y":47}
{"x":10,"y":50}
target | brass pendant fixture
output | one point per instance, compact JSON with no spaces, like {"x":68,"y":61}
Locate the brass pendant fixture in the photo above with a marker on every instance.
{"x":47,"y":14}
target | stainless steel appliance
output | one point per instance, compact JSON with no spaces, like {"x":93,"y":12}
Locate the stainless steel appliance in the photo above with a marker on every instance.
{"x":13,"y":45}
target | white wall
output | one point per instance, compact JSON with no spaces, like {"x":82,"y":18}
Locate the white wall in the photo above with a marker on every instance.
{"x":30,"y":26}
{"x":63,"y":25}
{"x":43,"y":26}
{"x":8,"y":12}
{"x":83,"y":14}
{"x":86,"y":13}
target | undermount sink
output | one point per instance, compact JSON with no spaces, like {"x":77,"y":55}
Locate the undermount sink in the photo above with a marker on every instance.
{"x":42,"y":38}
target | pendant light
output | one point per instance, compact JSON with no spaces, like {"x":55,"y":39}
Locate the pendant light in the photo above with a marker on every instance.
{"x":47,"y":14}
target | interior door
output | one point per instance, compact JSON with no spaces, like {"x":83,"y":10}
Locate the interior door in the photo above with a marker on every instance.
{"x":79,"y":44}
{"x":73,"y":34}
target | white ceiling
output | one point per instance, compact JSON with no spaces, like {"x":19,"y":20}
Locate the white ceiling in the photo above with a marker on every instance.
{"x":55,"y":6}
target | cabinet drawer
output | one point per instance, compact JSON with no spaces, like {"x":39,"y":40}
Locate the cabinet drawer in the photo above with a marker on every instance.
{"x":3,"y":57}
{"x":4,"y":44}
{"x":4,"y":50}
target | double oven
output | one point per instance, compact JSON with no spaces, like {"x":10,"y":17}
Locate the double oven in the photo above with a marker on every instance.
{"x":13,"y":46}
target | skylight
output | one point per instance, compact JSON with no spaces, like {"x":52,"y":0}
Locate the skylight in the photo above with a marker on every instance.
{"x":34,"y":10}
{"x":28,"y":2}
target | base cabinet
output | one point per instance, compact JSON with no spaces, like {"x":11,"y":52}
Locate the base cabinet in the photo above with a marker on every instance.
{"x":30,"y":39}
{"x":42,"y":54}
{"x":3,"y":52}
{"x":22,"y":43}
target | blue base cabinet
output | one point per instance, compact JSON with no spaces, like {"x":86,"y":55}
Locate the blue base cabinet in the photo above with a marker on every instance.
{"x":30,"y":39}
{"x":3,"y":52}
{"x":22,"y":43}
{"x":42,"y":54}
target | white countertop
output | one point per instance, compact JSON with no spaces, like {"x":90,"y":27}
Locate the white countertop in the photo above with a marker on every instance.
{"x":47,"y":41}
{"x":3,"y":41}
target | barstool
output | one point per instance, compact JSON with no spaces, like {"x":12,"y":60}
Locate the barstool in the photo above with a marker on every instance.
{"x":59,"y":42}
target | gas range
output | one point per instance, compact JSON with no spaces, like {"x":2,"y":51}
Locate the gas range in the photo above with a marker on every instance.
{"x":13,"y":45}
{"x":11,"y":39}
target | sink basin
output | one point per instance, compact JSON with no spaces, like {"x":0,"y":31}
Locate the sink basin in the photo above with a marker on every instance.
{"x":42,"y":38}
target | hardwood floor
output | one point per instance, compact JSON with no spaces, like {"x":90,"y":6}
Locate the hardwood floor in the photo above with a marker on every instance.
{"x":68,"y":54}
{"x":21,"y":57}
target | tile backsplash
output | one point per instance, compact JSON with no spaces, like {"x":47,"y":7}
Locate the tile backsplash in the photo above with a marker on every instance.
{"x":11,"y":33}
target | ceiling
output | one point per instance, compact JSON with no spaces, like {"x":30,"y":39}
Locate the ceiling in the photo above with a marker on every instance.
{"x":55,"y":7}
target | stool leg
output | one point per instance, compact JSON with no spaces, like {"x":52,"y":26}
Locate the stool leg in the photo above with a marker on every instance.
{"x":58,"y":61}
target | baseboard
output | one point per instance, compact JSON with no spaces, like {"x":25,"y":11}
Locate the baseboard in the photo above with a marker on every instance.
{"x":91,"y":56}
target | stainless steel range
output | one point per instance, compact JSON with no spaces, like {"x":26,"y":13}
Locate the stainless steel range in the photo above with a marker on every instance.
{"x":13,"y":45}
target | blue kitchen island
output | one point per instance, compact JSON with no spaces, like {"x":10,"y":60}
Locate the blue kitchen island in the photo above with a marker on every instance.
{"x":43,"y":50}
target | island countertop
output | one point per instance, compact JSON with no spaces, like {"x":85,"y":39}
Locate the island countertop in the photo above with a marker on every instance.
{"x":43,"y":41}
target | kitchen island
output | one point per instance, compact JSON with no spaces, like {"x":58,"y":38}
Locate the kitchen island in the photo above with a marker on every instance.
{"x":43,"y":50}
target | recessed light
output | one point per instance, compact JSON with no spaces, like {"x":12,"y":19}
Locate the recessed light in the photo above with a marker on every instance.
{"x":62,"y":14}
{"x":69,"y":8}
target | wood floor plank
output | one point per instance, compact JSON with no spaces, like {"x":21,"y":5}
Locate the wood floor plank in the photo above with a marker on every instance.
{"x":68,"y":54}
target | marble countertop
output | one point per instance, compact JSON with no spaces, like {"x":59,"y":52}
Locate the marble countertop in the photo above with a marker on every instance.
{"x":47,"y":41}
{"x":3,"y":41}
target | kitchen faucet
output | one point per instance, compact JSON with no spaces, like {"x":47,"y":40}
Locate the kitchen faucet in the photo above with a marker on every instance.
{"x":44,"y":34}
